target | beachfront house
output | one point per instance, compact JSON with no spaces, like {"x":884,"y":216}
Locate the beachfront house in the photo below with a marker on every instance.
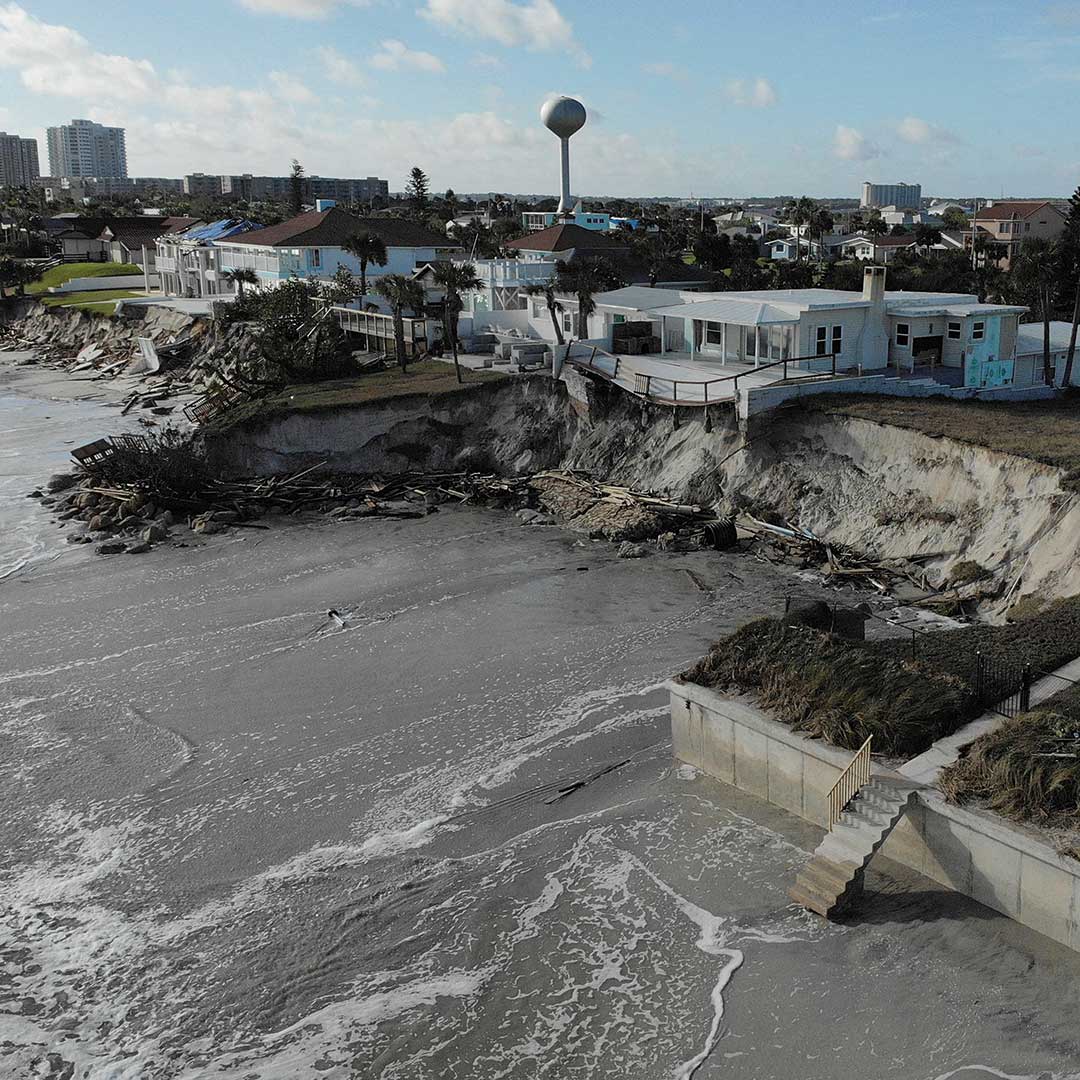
{"x":187,"y":261}
{"x":701,"y":336}
{"x":309,"y":246}
{"x":133,"y":240}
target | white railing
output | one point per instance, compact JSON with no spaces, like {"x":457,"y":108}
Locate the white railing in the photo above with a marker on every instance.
{"x":849,"y":782}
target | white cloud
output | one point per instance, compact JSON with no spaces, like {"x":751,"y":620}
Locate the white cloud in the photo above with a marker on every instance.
{"x":755,"y":94}
{"x":290,"y":88}
{"x":535,"y":24}
{"x":488,"y":60}
{"x":299,"y":9}
{"x":397,"y":56}
{"x":54,"y":59}
{"x":913,"y":130}
{"x":852,"y":145}
{"x":339,"y":68}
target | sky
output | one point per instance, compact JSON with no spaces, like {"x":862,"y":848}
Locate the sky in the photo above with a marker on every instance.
{"x":720,"y":98}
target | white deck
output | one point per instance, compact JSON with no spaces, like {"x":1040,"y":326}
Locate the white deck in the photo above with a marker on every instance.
{"x":680,"y":377}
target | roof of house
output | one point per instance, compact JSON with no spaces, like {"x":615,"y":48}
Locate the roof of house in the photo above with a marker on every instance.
{"x":1021,"y":208}
{"x":1029,"y":337}
{"x":331,"y":228}
{"x":740,"y":310}
{"x":880,"y":241}
{"x":217,"y":230}
{"x":638,"y":297}
{"x":563,"y":237}
{"x":137,"y":231}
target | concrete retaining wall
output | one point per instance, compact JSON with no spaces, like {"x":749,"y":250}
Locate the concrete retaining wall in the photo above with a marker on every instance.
{"x":1005,"y":867}
{"x":93,"y":284}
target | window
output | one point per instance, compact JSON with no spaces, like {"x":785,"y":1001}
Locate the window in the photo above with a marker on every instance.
{"x":616,"y":319}
{"x":714,"y":333}
{"x":568,"y":322}
{"x":316,"y":257}
{"x":838,"y":339}
{"x":903,"y":335}
{"x":751,"y":341}
{"x":822,"y":341}
{"x":954,"y":331}
{"x":978,"y":331}
{"x":537,"y":309}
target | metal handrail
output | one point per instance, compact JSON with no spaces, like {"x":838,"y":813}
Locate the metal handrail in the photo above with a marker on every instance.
{"x":591,"y":365}
{"x":849,"y":782}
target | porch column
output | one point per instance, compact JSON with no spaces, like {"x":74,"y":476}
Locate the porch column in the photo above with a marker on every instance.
{"x":693,"y":337}
{"x":663,"y":334}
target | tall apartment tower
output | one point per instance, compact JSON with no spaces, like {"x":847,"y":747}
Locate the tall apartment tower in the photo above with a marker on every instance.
{"x":18,"y":161}
{"x":902,"y":196}
{"x":83,"y":148}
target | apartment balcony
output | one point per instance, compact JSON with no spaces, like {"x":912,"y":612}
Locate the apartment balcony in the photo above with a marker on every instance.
{"x":501,"y":272}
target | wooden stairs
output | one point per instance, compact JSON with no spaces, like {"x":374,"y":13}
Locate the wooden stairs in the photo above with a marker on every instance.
{"x":834,"y":876}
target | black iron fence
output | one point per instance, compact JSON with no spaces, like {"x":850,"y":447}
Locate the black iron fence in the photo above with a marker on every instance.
{"x":1003,"y":687}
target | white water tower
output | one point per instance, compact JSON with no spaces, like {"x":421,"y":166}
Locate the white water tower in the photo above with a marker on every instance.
{"x":564,"y":116}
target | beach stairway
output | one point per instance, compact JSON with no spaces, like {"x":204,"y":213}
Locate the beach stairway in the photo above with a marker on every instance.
{"x":834,"y":876}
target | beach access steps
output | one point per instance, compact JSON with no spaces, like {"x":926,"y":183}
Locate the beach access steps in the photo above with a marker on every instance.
{"x":834,"y":876}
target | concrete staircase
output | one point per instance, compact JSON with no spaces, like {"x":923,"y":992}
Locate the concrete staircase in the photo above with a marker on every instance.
{"x":834,"y":876}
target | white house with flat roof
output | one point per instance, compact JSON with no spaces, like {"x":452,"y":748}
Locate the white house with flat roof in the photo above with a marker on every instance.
{"x":948,"y":337}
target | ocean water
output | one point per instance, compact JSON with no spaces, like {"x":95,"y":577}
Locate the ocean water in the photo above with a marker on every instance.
{"x":40,"y":424}
{"x":441,"y":837}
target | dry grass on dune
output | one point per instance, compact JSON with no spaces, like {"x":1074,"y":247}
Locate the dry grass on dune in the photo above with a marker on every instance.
{"x":837,"y":690}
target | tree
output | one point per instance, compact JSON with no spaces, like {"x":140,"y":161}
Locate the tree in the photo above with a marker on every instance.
{"x":800,"y":212}
{"x":954,"y":219}
{"x":400,"y":292}
{"x":417,"y":190}
{"x":342,"y":287}
{"x":875,"y":224}
{"x":898,"y":230}
{"x":241,"y":276}
{"x":296,"y":187}
{"x":451,"y":203}
{"x":926,"y":236}
{"x":656,"y":252}
{"x":1035,"y":275}
{"x":712,"y":251}
{"x":366,"y":248}
{"x":821,"y":222}
{"x":546,"y":289}
{"x":585,"y":278}
{"x":1069,"y":247}
{"x":455,"y":279}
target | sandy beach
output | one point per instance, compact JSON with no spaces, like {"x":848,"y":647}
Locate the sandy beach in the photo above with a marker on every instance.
{"x":440,"y":835}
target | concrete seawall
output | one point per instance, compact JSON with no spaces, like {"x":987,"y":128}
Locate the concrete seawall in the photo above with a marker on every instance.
{"x":1004,"y":866}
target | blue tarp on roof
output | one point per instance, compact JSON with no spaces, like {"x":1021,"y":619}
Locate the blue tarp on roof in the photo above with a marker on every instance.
{"x":219,"y":230}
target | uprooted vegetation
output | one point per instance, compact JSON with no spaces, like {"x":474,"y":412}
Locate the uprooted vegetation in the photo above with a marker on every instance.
{"x":844,"y":691}
{"x":1028,"y":769}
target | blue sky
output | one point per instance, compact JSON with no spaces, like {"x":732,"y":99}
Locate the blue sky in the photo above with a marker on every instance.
{"x":721,"y":98}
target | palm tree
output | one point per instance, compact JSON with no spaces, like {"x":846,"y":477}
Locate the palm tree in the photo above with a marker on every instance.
{"x":546,"y":289}
{"x":241,"y":276}
{"x":367,"y":248}
{"x":800,"y":212}
{"x":584,"y":278}
{"x":455,"y":279}
{"x":821,"y":222}
{"x":1036,"y":274}
{"x":400,"y":292}
{"x":1071,"y":354}
{"x":875,"y":224}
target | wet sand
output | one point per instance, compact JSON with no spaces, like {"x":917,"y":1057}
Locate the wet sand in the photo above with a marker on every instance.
{"x":245,"y":839}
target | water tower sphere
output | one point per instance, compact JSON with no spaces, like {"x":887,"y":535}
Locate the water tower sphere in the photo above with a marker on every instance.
{"x":563,"y":115}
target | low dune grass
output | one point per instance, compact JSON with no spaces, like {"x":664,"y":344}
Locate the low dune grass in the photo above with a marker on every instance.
{"x":842,"y":691}
{"x":1027,"y":769}
{"x":837,"y":690}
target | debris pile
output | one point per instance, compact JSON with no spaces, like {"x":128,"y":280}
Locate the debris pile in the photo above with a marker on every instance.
{"x":160,"y":353}
{"x":790,"y":544}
